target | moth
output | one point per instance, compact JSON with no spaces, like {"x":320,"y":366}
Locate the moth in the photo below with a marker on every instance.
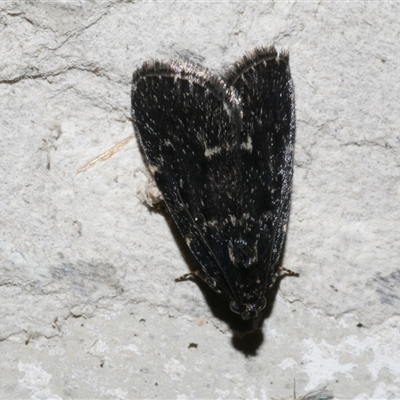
{"x":220,"y":148}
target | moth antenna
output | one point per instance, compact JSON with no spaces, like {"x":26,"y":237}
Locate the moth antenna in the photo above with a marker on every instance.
{"x":106,"y":155}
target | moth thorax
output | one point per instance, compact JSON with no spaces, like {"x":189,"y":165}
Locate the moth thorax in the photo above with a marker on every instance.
{"x":242,"y":253}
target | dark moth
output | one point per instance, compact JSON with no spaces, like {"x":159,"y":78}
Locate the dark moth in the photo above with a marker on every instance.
{"x":220,"y":148}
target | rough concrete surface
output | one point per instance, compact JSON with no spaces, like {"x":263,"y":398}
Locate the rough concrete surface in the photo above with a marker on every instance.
{"x":89,"y":307}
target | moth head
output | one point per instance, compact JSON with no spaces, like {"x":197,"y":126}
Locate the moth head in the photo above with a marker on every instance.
{"x":249,"y":310}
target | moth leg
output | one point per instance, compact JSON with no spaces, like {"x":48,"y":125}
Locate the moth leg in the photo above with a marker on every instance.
{"x":150,"y":194}
{"x":189,"y":275}
{"x":210,"y":282}
{"x":106,"y":155}
{"x":288,"y":271}
{"x":277,"y":274}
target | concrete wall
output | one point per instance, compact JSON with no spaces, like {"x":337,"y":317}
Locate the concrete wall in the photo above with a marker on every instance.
{"x":89,"y":307}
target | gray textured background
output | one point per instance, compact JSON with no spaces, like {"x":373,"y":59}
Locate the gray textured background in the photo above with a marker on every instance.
{"x":89,"y":307}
